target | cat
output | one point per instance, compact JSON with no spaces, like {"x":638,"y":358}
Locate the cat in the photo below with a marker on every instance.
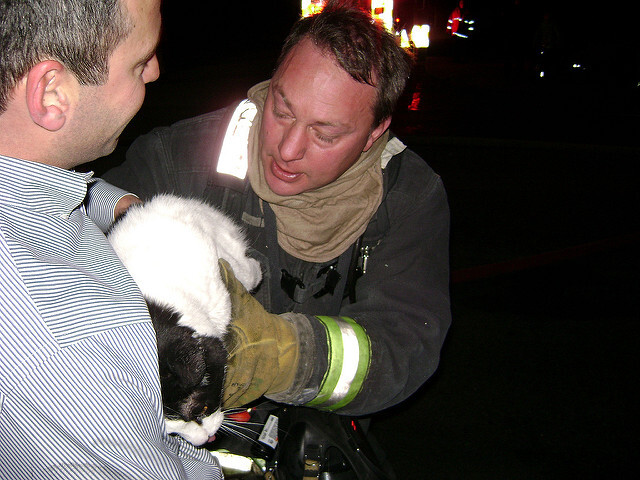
{"x":171,"y":245}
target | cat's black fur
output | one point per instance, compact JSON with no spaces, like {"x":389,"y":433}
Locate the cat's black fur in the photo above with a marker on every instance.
{"x":191,"y":367}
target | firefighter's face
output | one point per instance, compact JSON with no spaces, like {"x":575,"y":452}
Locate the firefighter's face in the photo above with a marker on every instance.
{"x":317,"y":121}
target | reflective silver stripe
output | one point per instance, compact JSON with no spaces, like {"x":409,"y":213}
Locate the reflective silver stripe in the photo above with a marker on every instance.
{"x":351,"y":354}
{"x":234,"y":158}
{"x":349,"y":359}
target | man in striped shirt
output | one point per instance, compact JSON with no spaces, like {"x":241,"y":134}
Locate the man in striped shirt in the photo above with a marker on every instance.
{"x":79,"y":387}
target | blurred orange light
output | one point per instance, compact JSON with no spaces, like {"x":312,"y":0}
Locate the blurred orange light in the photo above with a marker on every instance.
{"x":311,"y":7}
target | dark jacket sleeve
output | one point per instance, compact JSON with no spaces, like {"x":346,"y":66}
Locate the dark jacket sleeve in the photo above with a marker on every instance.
{"x":403,"y":299}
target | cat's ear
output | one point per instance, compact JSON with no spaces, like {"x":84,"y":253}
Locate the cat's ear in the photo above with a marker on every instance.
{"x":216,"y":354}
{"x":187,"y":362}
{"x":215,"y":351}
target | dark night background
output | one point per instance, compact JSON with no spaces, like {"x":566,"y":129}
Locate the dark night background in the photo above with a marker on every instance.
{"x":538,"y":378}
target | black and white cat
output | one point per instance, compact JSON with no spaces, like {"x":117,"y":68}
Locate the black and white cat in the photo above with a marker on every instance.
{"x":171,"y":246}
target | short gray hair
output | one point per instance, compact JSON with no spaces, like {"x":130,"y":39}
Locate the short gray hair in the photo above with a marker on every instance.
{"x":81,"y":34}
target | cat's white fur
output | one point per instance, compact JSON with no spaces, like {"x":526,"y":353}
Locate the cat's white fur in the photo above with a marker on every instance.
{"x":171,"y":246}
{"x":193,"y":432}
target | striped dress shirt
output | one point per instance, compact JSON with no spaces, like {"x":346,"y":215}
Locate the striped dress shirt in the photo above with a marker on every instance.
{"x":79,"y":387}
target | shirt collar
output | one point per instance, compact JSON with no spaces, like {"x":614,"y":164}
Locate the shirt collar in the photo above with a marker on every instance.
{"x":40,"y":187}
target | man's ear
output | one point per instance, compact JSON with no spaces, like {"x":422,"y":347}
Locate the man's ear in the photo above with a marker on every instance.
{"x":377,"y":132}
{"x":47,"y":95}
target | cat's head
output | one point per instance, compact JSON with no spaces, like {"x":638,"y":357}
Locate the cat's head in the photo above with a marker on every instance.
{"x":191,"y":369}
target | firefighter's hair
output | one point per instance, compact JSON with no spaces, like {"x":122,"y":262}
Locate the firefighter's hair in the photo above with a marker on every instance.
{"x":362,"y":47}
{"x":81,"y":34}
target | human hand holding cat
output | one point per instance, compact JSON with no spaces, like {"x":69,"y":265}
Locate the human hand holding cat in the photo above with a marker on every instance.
{"x":263,"y":347}
{"x":124,"y":203}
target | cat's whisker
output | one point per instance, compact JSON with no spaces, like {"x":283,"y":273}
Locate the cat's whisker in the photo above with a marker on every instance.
{"x":226,"y":429}
{"x":261,"y":405}
{"x":170,"y":410}
{"x":244,"y":424}
{"x":236,"y":410}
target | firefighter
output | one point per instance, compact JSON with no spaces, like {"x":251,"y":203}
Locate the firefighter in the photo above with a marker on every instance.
{"x":459,"y":24}
{"x":351,"y":227}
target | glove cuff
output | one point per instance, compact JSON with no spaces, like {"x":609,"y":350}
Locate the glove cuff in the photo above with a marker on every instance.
{"x":312,"y":362}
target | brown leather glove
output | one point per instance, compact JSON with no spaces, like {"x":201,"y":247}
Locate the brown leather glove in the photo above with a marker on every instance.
{"x":263,"y":347}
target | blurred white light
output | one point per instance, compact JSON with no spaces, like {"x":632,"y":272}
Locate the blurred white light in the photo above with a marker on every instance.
{"x":404,"y":39}
{"x":382,"y":10}
{"x":234,"y":464}
{"x":420,"y":35}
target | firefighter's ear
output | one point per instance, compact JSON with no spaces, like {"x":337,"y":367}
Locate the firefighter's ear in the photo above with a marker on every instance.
{"x":377,"y":132}
{"x":47,"y":94}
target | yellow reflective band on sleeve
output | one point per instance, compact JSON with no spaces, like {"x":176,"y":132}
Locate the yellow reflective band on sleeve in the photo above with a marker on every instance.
{"x":348,"y":363}
{"x":234,"y":154}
